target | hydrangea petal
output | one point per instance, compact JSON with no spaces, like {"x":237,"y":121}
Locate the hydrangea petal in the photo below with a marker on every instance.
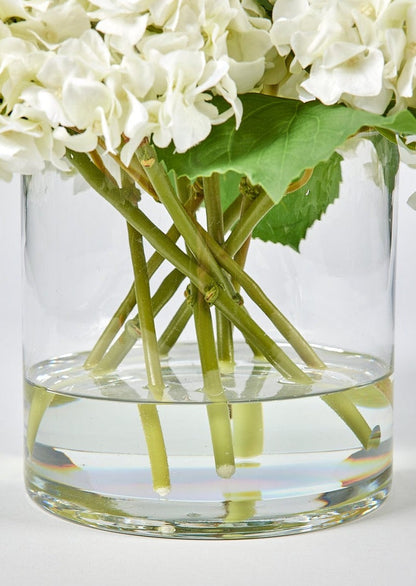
{"x":83,"y":142}
{"x":81,"y":98}
{"x":361,"y":77}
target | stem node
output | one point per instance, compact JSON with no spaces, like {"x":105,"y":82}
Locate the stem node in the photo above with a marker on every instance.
{"x":148,"y":163}
{"x":211,"y":294}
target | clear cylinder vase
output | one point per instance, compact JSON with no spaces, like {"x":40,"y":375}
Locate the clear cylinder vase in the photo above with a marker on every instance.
{"x":267,"y":454}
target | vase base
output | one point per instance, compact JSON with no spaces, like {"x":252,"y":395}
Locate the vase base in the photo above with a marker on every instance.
{"x":101,"y":512}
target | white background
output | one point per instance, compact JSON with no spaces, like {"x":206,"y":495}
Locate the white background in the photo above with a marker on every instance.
{"x":40,"y":550}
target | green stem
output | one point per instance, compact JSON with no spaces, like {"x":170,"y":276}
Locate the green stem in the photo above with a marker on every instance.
{"x":241,"y":254}
{"x":40,"y":401}
{"x":256,"y":336}
{"x":113,"y":327}
{"x":248,"y":432}
{"x":215,"y":224}
{"x":146,"y":320}
{"x":386,"y":387}
{"x":158,"y":177}
{"x":132,"y":330}
{"x":192,"y":204}
{"x":148,"y":413}
{"x":348,"y":412}
{"x":218,"y":413}
{"x":155,"y":447}
{"x":247,"y":417}
{"x":221,"y":438}
{"x":184,"y":188}
{"x":177,"y":324}
{"x":120,"y":348}
{"x":232,"y":213}
{"x":239,"y":239}
{"x":288,"y":331}
{"x":215,"y":220}
{"x":134,"y":171}
{"x":166,"y":290}
{"x":174,"y":329}
{"x":261,"y":204}
{"x":120,"y":316}
{"x":245,"y":225}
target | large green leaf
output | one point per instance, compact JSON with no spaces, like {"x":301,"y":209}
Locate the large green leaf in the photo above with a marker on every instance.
{"x":277,"y":140}
{"x":288,"y":221}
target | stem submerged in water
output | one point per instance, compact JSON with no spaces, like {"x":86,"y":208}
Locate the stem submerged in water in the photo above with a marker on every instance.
{"x":155,"y":448}
{"x":148,"y":413}
{"x":40,"y":401}
{"x":248,"y":432}
{"x":218,"y":413}
{"x":348,"y":412}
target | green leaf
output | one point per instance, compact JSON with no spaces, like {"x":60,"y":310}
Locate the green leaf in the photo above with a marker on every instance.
{"x":389,"y":157}
{"x":288,"y":221}
{"x":277,"y":140}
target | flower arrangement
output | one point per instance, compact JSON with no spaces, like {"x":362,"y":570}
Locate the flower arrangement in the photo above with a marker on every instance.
{"x":179,"y":99}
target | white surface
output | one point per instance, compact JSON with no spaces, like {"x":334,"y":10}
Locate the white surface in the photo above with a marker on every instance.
{"x":40,"y":550}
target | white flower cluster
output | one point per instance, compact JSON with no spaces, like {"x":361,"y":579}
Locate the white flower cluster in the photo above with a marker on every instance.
{"x":121,"y":70}
{"x":75,"y":72}
{"x":359,"y":52}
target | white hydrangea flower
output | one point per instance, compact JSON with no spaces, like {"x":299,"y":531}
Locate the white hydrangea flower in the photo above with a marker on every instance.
{"x":75,"y":73}
{"x":359,"y":146}
{"x":16,"y":69}
{"x":128,"y":69}
{"x":123,"y":22}
{"x":353,"y":51}
{"x":51,"y":23}
{"x":407,"y":78}
{"x":217,"y":33}
{"x":25,"y":145}
{"x":185,"y":117}
{"x":18,"y":152}
{"x":346,"y":69}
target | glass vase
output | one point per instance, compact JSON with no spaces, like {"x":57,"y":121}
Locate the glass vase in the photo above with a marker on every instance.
{"x":261,"y":453}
